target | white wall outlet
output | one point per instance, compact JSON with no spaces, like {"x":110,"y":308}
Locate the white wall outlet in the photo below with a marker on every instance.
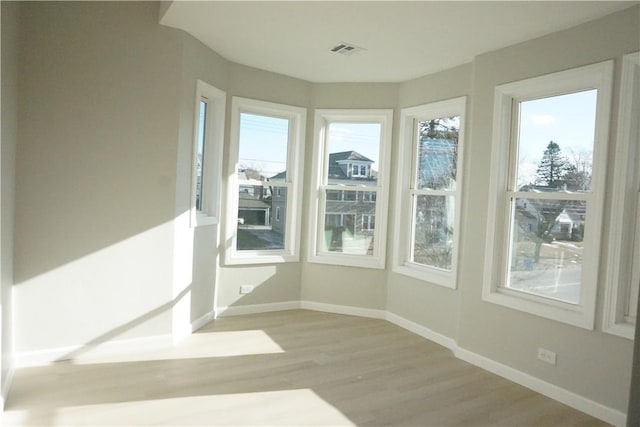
{"x":246,"y":289}
{"x":547,"y":356}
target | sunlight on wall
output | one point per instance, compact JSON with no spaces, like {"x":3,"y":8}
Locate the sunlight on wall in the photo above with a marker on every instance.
{"x":282,"y":407}
{"x":182,"y":276}
{"x":117,"y":292}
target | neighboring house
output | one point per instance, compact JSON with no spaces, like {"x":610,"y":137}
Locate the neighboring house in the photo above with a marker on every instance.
{"x":349,"y":212}
{"x":569,"y":223}
{"x":278,"y":203}
{"x":254,"y":207}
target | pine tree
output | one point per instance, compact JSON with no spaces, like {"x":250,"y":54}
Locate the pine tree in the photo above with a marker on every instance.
{"x":553,"y":167}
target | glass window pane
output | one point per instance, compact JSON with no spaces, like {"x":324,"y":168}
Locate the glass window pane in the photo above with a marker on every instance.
{"x":261,"y":217}
{"x":349,"y":225}
{"x":555,"y":143}
{"x":546,"y":248}
{"x":433,"y":231}
{"x":438,"y":153}
{"x":353,"y":149}
{"x":262,"y":153}
{"x":200,"y":154}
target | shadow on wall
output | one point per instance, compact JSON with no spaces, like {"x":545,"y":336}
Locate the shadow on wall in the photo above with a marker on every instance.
{"x":97,"y":154}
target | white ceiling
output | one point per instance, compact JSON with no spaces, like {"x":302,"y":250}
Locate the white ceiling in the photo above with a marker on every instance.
{"x":404,"y":40}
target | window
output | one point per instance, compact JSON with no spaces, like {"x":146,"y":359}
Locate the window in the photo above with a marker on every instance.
{"x":206,"y":168}
{"x":623,"y":274}
{"x":351,"y":157}
{"x":546,"y":193}
{"x":368,"y":222}
{"x":264,"y":196}
{"x":428,"y":192}
{"x":369,"y":196}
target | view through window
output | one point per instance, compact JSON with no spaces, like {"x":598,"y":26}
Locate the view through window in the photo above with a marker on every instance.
{"x":433,"y":192}
{"x":550,"y":192}
{"x":351,"y":173}
{"x":262,"y":182}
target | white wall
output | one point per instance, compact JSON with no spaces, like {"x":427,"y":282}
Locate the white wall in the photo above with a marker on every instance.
{"x":10,"y":18}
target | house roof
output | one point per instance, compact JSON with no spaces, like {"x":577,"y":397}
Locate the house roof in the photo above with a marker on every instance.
{"x":247,"y":201}
{"x":348,"y":155}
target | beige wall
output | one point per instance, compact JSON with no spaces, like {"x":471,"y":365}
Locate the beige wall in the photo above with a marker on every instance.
{"x":590,"y":363}
{"x":195,"y":249}
{"x":429,"y":305}
{"x":106,"y":100}
{"x":96,"y":175}
{"x":10,"y":16}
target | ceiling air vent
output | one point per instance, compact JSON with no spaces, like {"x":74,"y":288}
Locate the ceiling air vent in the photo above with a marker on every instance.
{"x":346,"y":49}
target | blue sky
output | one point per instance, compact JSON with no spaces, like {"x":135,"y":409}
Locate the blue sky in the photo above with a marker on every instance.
{"x":568,"y":120}
{"x":263,"y":141}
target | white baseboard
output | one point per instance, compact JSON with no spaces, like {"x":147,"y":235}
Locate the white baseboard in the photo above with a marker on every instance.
{"x":423,"y":331}
{"x":343,"y":309}
{"x":240,"y":310}
{"x":560,"y":394}
{"x":45,"y":357}
{"x":202,"y":321}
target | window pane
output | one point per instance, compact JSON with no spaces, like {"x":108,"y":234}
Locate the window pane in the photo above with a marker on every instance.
{"x":200,"y":154}
{"x":555,"y":143}
{"x":433,"y":231}
{"x":546,"y":248}
{"x":353,"y":150}
{"x":263,"y":147}
{"x":261,"y":218}
{"x":349,"y":225}
{"x":438,"y":153}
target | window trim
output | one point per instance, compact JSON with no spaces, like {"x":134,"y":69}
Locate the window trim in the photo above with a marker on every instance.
{"x":322,"y":119}
{"x":596,"y":76}
{"x":625,"y":202}
{"x":403,"y":217}
{"x":293,"y":183}
{"x":213,"y":144}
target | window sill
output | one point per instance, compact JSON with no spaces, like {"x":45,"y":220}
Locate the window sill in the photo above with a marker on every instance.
{"x":434,"y":276}
{"x":201,"y":219}
{"x":259,"y":257}
{"x":575,"y":315}
{"x":347,"y":260}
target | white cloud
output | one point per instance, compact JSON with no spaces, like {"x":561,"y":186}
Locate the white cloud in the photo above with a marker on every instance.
{"x":543,"y":119}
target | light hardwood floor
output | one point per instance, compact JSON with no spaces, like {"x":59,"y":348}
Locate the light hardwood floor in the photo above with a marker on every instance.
{"x":284,"y":368}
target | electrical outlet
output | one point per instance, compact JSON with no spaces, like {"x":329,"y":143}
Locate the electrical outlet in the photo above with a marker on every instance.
{"x":246,"y":289}
{"x":547,"y":356}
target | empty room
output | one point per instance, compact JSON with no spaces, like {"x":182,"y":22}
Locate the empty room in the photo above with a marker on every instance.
{"x":321,"y":213}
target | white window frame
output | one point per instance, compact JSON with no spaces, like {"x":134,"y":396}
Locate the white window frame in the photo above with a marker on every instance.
{"x":407,"y":155}
{"x":323,"y":118}
{"x":623,"y":274}
{"x":295,"y":158}
{"x":209,"y":214}
{"x":597,"y":76}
